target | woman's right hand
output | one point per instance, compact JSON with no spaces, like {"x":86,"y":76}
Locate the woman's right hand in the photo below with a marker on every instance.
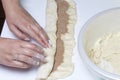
{"x":20,"y":54}
{"x":22,"y":24}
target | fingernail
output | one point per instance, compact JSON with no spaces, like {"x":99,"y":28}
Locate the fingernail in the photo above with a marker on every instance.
{"x":49,"y":43}
{"x":45,"y":61}
{"x":37,"y":63}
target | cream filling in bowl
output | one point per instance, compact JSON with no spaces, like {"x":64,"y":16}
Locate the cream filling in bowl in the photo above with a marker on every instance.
{"x":106,"y":53}
{"x":99,"y":44}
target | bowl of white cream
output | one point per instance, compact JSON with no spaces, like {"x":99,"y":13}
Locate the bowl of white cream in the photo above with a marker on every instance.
{"x":99,"y":44}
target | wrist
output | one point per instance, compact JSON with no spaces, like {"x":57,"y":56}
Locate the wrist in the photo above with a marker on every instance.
{"x":8,"y":5}
{"x":10,"y":2}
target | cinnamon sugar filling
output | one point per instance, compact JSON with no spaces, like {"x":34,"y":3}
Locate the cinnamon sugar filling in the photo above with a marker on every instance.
{"x":62,"y":22}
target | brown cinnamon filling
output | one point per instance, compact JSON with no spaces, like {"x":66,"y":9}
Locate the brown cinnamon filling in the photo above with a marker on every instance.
{"x":61,"y":29}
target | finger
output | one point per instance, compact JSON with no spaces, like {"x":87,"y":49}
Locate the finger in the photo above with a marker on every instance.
{"x":18,"y":33}
{"x":41,"y":32}
{"x":18,"y":64}
{"x":39,"y":39}
{"x":8,"y":60}
{"x":29,"y":29}
{"x":33,"y":34}
{"x":32,"y":48}
{"x":28,"y":60}
{"x":32,"y":54}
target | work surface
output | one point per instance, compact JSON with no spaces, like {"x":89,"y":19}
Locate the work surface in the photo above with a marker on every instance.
{"x":85,"y":10}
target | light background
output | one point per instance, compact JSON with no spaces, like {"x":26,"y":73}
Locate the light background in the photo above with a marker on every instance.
{"x":85,"y":10}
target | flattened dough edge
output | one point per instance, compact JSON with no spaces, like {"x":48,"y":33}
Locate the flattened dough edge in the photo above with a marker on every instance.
{"x":51,"y":20}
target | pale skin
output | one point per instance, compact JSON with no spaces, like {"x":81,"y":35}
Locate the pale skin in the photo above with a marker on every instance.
{"x":24,"y":26}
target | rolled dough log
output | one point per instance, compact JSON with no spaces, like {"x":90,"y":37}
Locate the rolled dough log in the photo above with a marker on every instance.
{"x":65,"y":67}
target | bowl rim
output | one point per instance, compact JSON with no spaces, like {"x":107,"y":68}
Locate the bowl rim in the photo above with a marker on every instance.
{"x":83,"y":53}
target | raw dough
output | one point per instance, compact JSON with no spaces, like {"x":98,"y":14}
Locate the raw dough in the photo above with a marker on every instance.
{"x":51,"y":21}
{"x":64,"y":68}
{"x":106,"y":52}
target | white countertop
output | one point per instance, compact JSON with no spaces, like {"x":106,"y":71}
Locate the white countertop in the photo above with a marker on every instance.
{"x":85,"y":10}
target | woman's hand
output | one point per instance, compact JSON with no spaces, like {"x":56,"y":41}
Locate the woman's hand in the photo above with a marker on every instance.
{"x":20,"y":54}
{"x":22,"y":24}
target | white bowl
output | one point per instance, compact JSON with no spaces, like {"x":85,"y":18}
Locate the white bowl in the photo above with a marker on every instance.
{"x":105,"y":22}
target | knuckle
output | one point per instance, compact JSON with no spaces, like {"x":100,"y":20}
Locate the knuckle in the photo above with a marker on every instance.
{"x":27,"y":51}
{"x":29,"y":54}
{"x":30,"y":60}
{"x":27,"y":59}
{"x":20,"y":35}
{"x":28,"y":26}
{"x":26,"y":66}
{"x":22,"y":65}
{"x":20,"y":57}
{"x":7,"y":59}
{"x":17,"y":64}
{"x":33,"y":46}
{"x":12,"y":51}
{"x":14,"y":56}
{"x":27,"y":44}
